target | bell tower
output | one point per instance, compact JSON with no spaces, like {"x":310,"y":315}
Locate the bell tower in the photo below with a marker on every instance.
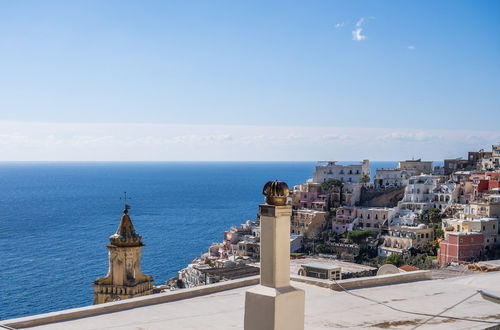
{"x":125,"y":278}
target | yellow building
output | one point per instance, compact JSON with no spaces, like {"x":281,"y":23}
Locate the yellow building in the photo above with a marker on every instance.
{"x":307,"y":222}
{"x":124,"y":279}
{"x":488,"y":207}
{"x":487,"y":226}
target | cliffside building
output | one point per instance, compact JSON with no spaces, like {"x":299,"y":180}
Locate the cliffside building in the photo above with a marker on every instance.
{"x":460,"y":247}
{"x":416,"y":166}
{"x":419,"y":193}
{"x":345,"y":173}
{"x":492,"y":163}
{"x":488,"y":227}
{"x":401,"y":238}
{"x":307,"y":222}
{"x":390,"y":177}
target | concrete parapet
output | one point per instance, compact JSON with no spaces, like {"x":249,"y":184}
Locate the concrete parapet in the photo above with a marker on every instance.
{"x":75,"y":313}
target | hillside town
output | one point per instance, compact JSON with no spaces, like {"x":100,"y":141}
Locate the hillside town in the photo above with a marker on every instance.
{"x":414,"y":216}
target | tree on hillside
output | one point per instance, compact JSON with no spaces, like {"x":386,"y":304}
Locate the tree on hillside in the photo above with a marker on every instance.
{"x":395,"y":259}
{"x":365,"y":179}
{"x":329,"y":186}
{"x":431,"y":216}
{"x":360,"y":236}
{"x":438,"y":233}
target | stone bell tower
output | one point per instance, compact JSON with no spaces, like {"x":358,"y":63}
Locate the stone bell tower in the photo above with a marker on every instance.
{"x":124,"y":279}
{"x":274,"y":304}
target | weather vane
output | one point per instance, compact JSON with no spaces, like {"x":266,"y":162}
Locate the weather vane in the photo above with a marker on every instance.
{"x":125,"y":198}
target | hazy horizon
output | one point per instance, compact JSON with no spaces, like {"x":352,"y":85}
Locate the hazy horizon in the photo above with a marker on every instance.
{"x":21,"y":141}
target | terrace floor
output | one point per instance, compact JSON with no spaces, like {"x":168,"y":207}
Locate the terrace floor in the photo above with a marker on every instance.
{"x":325,"y":308}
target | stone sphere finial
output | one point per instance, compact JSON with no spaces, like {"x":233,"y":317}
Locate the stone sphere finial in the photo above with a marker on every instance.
{"x":276,"y":193}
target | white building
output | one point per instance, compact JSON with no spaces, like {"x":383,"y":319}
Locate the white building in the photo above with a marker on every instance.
{"x":373,"y":218}
{"x":493,"y":162}
{"x":401,"y":238}
{"x":345,"y":173}
{"x":445,"y":195}
{"x":404,"y":218}
{"x":390,"y":177}
{"x":419,"y":194}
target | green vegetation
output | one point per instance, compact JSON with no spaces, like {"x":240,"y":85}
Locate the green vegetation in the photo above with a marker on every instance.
{"x":438,"y":233}
{"x":360,"y":236}
{"x":329,"y":184}
{"x":431,"y":216}
{"x":395,"y":259}
{"x":364,"y":179}
{"x":320,"y":248}
{"x":413,"y":258}
{"x":366,"y":256}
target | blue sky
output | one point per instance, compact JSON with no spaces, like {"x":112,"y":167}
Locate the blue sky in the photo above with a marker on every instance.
{"x":338,"y":65}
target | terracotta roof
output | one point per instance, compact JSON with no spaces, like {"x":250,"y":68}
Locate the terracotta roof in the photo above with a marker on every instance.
{"x":408,"y":268}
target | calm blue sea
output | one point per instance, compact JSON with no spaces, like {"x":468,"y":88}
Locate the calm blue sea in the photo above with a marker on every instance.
{"x":55,"y":219}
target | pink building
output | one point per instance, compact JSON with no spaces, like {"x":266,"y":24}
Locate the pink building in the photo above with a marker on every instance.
{"x":308,"y":196}
{"x":460,"y":247}
{"x":343,"y":220}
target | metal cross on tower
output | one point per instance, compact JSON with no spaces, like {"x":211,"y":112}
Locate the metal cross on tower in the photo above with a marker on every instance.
{"x":125,"y":198}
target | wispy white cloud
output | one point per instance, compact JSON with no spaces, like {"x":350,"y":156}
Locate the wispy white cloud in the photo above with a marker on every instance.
{"x":339,"y":25}
{"x":411,"y":47}
{"x":356,"y":33}
{"x":411,"y":136}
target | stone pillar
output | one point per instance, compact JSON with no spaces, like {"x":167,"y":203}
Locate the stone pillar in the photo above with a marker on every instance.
{"x":275,"y":245}
{"x":274,"y":304}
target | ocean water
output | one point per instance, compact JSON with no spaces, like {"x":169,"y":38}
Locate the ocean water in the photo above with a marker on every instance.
{"x":55,"y":220}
